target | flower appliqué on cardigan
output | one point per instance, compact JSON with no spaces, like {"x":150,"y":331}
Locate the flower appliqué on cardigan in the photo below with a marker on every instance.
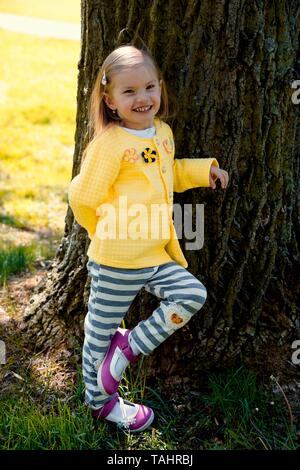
{"x":130,"y":155}
{"x":149,"y":155}
{"x":168,"y":145}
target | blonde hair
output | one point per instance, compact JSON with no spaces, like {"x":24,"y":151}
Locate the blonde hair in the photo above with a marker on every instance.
{"x":120,"y":59}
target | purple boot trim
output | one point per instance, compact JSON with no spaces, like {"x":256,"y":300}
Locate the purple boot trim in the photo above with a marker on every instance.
{"x":105,"y":409}
{"x":125,"y":346}
{"x":143,"y":419}
{"x":105,"y":380}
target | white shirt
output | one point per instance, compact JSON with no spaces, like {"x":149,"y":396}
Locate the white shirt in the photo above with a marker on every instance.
{"x":149,"y":132}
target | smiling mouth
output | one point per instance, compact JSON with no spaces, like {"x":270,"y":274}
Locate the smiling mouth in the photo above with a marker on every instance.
{"x":143,"y":109}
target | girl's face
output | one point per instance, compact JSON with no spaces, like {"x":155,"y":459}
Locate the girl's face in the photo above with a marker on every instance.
{"x":135,"y":94}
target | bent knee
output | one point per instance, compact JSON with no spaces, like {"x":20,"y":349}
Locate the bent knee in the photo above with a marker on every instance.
{"x":198,"y":297}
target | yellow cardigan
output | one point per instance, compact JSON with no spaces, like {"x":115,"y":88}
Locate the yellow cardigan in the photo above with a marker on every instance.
{"x":123,"y":196}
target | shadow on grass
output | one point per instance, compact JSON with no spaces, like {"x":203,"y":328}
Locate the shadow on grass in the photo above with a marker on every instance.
{"x":12,"y":222}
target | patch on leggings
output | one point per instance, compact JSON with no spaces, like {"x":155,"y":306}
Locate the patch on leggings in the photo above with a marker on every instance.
{"x":176,"y":316}
{"x":176,"y":319}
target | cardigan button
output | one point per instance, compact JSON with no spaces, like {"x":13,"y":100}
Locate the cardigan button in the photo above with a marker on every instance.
{"x":164,"y":169}
{"x":170,"y":194}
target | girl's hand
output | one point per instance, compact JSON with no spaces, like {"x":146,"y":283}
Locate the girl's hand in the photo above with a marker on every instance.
{"x":218,"y":173}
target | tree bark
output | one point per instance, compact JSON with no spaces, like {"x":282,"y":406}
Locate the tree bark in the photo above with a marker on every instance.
{"x":231,"y":64}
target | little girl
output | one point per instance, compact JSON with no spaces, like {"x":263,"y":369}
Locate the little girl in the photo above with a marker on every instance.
{"x":128,"y":168}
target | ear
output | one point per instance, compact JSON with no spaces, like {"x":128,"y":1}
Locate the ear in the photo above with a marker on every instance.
{"x":108,"y":101}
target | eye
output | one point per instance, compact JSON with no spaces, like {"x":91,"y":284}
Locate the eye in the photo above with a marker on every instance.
{"x":128,"y":91}
{"x":151,"y":86}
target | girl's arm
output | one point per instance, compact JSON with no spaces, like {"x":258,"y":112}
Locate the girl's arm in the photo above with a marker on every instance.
{"x":191,"y":173}
{"x":91,"y":186}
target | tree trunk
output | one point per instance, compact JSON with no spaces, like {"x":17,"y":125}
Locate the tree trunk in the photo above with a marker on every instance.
{"x":231,"y":64}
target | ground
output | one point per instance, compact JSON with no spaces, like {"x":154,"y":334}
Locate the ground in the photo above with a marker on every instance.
{"x":53,"y":369}
{"x":57,"y":370}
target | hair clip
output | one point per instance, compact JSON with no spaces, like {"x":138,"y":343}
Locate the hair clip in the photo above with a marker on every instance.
{"x":104,"y":79}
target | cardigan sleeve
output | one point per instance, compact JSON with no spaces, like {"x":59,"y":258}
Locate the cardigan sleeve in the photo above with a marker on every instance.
{"x":91,"y":186}
{"x":191,"y":173}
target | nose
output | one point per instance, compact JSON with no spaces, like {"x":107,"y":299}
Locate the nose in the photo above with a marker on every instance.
{"x":141,"y":97}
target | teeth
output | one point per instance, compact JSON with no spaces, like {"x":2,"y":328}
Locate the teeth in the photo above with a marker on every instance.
{"x":142,"y":109}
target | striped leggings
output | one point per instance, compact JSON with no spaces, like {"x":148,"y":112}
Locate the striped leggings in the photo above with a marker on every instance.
{"x":112,"y":292}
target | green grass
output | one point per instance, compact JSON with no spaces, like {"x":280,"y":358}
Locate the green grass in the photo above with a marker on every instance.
{"x":47,"y":428}
{"x":225,"y":419}
{"x":15,"y":259}
{"x":60,"y":427}
{"x":61,"y":10}
{"x":38,"y":417}
{"x":249,"y":416}
{"x":37,"y":122}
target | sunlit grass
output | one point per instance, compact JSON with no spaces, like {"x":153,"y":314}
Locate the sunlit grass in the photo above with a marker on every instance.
{"x":37,"y":122}
{"x":66,"y":10}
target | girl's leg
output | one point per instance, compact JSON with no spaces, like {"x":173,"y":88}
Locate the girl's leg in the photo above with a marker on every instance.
{"x":111,"y":294}
{"x":183,"y":295}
